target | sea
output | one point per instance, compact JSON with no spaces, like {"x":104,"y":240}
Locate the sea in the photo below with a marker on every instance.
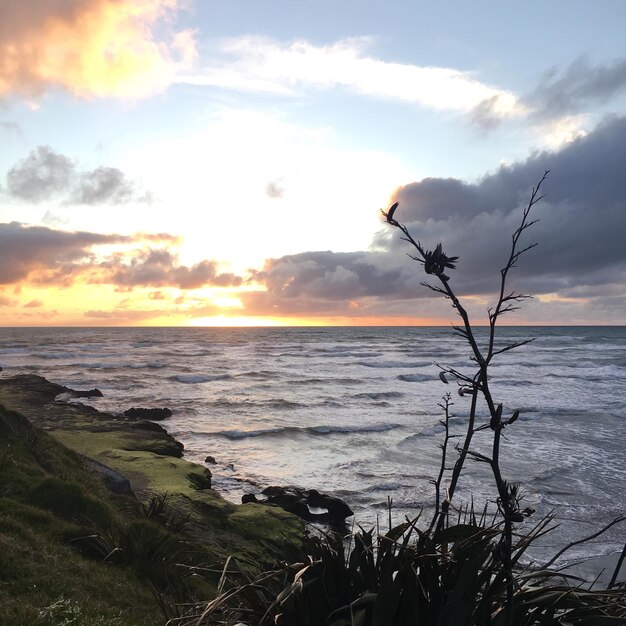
{"x":354,"y":411}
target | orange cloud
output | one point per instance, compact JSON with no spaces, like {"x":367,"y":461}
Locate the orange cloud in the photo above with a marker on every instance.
{"x":91,"y":48}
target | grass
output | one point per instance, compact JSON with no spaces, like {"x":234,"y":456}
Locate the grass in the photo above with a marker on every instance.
{"x":46,"y":500}
{"x":72,"y":552}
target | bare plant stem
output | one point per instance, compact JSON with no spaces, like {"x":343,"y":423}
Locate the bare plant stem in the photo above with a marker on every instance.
{"x":435,"y":263}
{"x":445,"y":405}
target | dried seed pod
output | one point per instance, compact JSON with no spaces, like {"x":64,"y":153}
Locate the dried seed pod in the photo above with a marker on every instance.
{"x":513,"y":417}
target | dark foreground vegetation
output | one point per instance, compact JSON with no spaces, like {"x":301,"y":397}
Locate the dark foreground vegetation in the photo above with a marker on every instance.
{"x":76,"y":553}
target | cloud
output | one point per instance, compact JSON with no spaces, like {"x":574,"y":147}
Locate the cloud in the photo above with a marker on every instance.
{"x":102,"y":185}
{"x":27,"y":250}
{"x":265,"y":65}
{"x":562,"y":97}
{"x":582,"y":219}
{"x":33,"y":304}
{"x":91,"y":48}
{"x":121,"y":316}
{"x":41,"y":175}
{"x":581,"y":229}
{"x":12,"y":128}
{"x":570,"y":90}
{"x":157,"y":267}
{"x":326,"y":283}
{"x":44,"y":256}
{"x":46,"y":175}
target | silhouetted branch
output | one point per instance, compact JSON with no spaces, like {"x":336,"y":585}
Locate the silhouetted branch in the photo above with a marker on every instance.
{"x":435,"y":262}
{"x":444,"y":452}
{"x":512,"y":346}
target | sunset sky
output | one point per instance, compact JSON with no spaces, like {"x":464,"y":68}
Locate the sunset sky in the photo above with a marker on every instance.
{"x":223,"y":162}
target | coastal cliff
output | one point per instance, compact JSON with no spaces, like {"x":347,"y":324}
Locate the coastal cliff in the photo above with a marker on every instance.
{"x":75,"y":481}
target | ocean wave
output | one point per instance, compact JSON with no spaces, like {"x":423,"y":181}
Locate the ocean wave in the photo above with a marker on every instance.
{"x":273,"y":403}
{"x":393,"y":364}
{"x":151,"y":366}
{"x":334,"y":381}
{"x":313,"y":430}
{"x":380,"y":395}
{"x":510,"y":382}
{"x":370,"y":428}
{"x":430,"y":431}
{"x":606,"y":373}
{"x":258,"y":375}
{"x":415,"y":378}
{"x":199,"y":378}
{"x":334,"y":404}
{"x":52,"y":355}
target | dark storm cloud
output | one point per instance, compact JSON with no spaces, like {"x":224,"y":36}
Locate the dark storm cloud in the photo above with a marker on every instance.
{"x":25,"y":250}
{"x":582,"y":219}
{"x":570,"y":90}
{"x":157,"y":267}
{"x":580,"y":232}
{"x":46,"y":175}
{"x":329,"y":275}
{"x":326,"y":282}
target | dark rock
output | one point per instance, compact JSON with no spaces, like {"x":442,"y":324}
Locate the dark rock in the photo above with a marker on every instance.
{"x":211,"y":460}
{"x":300,"y":502}
{"x":335,"y":506}
{"x":114,"y":481}
{"x":248,"y":497}
{"x":89,"y":393}
{"x":151,"y":426}
{"x":274,"y":491}
{"x":200,"y":480}
{"x":148,"y":414}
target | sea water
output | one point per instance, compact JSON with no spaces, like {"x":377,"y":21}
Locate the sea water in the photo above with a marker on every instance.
{"x":354,"y":412}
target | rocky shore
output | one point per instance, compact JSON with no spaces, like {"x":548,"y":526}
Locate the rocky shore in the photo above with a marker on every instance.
{"x":134,"y":455}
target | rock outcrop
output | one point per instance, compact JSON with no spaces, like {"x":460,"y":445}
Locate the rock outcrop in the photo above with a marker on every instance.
{"x":148,"y":414}
{"x":309,"y":505}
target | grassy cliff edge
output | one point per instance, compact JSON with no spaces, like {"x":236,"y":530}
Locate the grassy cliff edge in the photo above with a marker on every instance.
{"x":57,"y":518}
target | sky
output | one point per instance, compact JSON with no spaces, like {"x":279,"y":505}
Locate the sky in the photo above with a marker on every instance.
{"x":224,"y":162}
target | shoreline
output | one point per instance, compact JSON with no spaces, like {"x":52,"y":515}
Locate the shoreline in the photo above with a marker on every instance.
{"x":145,"y":454}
